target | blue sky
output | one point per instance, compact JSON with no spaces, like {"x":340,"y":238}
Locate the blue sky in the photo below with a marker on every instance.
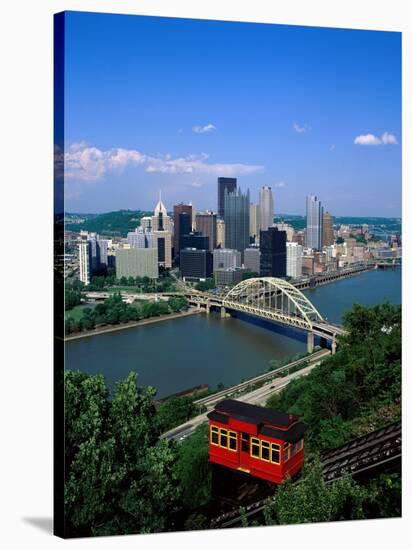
{"x":170,"y":104}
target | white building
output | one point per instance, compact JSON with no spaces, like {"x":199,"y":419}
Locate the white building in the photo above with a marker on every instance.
{"x":84,"y":261}
{"x":266,"y":209}
{"x":224,"y":258}
{"x":220,"y":233}
{"x":294,"y":252}
{"x":254,"y":221}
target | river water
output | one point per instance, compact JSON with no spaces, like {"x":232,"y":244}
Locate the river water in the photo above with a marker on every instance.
{"x":178,"y":354}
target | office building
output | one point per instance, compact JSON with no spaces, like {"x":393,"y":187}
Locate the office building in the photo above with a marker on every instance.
{"x":163,"y":240}
{"x":195,"y":265}
{"x":237,"y":220}
{"x":290,"y":232}
{"x":206,"y":224}
{"x":314,"y":223}
{"x":220,"y":233}
{"x":160,"y":220}
{"x":138,"y":238}
{"x":182,"y":219}
{"x":194,"y":240}
{"x":224,"y":185}
{"x":252,"y":259}
{"x":308,"y":263}
{"x":137,"y":262}
{"x":224,"y":258}
{"x":327,"y":237}
{"x":266,"y":210}
{"x":272,"y":253}
{"x":228,"y":276}
{"x":254,"y":222}
{"x":84,"y":261}
{"x":294,"y":253}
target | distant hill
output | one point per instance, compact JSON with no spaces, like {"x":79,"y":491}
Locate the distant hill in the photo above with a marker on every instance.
{"x":390,"y":225}
{"x":110,"y":223}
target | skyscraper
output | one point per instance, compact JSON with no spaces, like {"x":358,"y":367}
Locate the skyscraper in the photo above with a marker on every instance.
{"x":84,"y":261}
{"x":237,"y":220}
{"x":206,"y":224}
{"x":314,"y":222}
{"x":254,"y":221}
{"x":266,"y":208}
{"x":294,"y":260}
{"x":273,"y":253}
{"x":224,"y":184}
{"x":177,"y":210}
{"x":327,"y":237}
{"x":220,"y":233}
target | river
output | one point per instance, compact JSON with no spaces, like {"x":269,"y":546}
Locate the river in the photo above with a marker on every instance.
{"x":177,"y":354}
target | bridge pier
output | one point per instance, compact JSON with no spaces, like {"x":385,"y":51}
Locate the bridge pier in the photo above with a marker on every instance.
{"x":333,"y":346}
{"x":223,"y":312}
{"x":310,"y":342}
{"x":208,"y":308}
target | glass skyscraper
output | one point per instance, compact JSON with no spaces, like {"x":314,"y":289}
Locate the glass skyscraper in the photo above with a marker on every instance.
{"x":236,"y":218}
{"x":223,"y":185}
{"x":314,"y":222}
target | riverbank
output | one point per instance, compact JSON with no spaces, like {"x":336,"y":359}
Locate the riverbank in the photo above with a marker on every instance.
{"x":132,"y":324}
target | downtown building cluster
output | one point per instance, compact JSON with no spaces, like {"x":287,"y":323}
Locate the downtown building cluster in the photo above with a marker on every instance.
{"x":240,"y":240}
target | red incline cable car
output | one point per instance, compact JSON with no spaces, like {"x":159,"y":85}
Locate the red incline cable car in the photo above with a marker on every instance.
{"x":261,"y":442}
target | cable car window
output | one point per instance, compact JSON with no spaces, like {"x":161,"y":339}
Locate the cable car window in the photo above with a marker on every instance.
{"x":265,"y":450}
{"x":255,"y":448}
{"x":232,"y":441}
{"x":223,"y":438}
{"x":275,"y":453}
{"x":245,"y":442}
{"x":214,"y":435}
{"x":286,"y":453}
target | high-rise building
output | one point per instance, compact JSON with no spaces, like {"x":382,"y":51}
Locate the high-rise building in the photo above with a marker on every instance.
{"x":266,"y":208}
{"x":252,"y":259}
{"x":182,"y":214}
{"x":220,"y":233}
{"x":273,"y":253}
{"x":314,"y":222}
{"x":294,"y":254}
{"x":290,"y":232}
{"x":137,"y":262}
{"x":195,"y":265}
{"x":237,"y":220}
{"x":194,"y":240}
{"x":206,"y":224}
{"x":224,"y":185}
{"x":138,"y":238}
{"x":254,"y":221}
{"x":228,"y":276}
{"x":327,"y":237}
{"x":226,"y":258}
{"x":160,"y":218}
{"x":164,"y":248}
{"x":84,"y":261}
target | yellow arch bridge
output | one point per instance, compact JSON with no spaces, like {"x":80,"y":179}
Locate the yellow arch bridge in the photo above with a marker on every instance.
{"x":275,"y":300}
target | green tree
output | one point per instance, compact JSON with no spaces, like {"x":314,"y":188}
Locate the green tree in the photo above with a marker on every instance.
{"x":312,"y":500}
{"x":193,"y":469}
{"x":119,"y":477}
{"x":175,"y":411}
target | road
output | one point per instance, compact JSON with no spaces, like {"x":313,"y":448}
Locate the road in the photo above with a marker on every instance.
{"x":255,"y":397}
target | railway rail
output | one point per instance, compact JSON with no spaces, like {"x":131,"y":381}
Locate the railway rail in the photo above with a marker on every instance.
{"x":359,"y":455}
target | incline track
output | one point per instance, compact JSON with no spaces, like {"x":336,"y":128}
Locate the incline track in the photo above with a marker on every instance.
{"x":358,"y":455}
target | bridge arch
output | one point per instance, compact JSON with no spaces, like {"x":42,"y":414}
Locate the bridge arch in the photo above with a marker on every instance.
{"x":274,"y":299}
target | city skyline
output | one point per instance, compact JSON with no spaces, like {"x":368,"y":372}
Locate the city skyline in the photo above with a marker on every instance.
{"x":265,"y":110}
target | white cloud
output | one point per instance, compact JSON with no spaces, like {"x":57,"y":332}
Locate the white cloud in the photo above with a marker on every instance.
{"x":388,"y":139}
{"x":86,"y":163}
{"x":280,"y":184}
{"x":301,"y":129}
{"x":90,"y":163}
{"x":371,"y":139}
{"x":204,"y":129}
